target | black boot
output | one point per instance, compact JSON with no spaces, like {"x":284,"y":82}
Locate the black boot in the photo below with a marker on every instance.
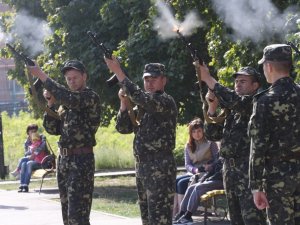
{"x":21,"y":188}
{"x":25,"y":189}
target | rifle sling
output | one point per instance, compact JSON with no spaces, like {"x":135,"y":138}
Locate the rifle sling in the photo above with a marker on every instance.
{"x":129,"y":107}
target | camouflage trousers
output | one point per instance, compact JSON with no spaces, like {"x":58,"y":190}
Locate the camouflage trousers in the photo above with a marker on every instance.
{"x":283,"y":192}
{"x":155,"y":181}
{"x":242,"y":210}
{"x":75,"y":178}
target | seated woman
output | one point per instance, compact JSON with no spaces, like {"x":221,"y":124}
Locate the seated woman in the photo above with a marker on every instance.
{"x":212,"y":180}
{"x":198,"y":153}
{"x":31,"y":162}
{"x":32,"y":128}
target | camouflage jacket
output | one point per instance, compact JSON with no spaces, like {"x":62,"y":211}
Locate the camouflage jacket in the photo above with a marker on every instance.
{"x":235,"y":142}
{"x":157,"y":129}
{"x":79,"y":116}
{"x":274,"y":128}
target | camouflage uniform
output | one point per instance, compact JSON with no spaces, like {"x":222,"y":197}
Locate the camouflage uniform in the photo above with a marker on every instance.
{"x":79,"y":121}
{"x":235,"y":149}
{"x":275,"y":145}
{"x":153,"y":144}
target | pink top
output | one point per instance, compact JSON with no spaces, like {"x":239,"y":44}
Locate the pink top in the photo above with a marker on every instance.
{"x":39,"y":157}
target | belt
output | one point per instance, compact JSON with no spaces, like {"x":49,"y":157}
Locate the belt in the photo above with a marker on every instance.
{"x":232,"y":162}
{"x":75,"y":151}
{"x":152,"y":156}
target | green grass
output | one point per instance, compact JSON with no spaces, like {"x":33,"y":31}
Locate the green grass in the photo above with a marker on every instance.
{"x":111,"y":195}
{"x":113,"y":150}
{"x":117,"y":196}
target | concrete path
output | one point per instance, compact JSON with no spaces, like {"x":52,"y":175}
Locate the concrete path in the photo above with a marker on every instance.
{"x":40,"y":209}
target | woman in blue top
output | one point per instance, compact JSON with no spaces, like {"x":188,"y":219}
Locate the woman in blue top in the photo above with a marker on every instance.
{"x":199,"y":154}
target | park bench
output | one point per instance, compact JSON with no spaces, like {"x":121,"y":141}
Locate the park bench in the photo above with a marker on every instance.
{"x":48,"y":167}
{"x":214,"y":203}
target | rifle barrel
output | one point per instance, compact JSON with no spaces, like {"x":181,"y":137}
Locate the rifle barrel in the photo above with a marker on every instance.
{"x":189,"y":46}
{"x":294,"y":47}
{"x":20,"y":55}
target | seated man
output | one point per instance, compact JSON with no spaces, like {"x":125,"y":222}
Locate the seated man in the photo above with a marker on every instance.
{"x":210,"y":181}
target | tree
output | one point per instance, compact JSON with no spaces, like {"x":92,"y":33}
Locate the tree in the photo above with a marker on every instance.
{"x":126,"y":27}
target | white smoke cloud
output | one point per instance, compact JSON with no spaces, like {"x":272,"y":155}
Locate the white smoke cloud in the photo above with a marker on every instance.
{"x":256,"y":20}
{"x":31,"y":31}
{"x":166,"y":25}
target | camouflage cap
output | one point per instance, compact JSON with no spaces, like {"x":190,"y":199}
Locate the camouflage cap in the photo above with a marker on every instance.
{"x":154,"y":70}
{"x":73,"y":64}
{"x":277,"y":53}
{"x":249,"y":71}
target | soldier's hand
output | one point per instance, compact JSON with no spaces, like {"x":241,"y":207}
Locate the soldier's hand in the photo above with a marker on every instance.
{"x":212,"y":101}
{"x":260,"y":200}
{"x":37,"y":72}
{"x":210,"y":96}
{"x":113,"y":64}
{"x":121,"y":94}
{"x":122,"y":97}
{"x":49,"y":98}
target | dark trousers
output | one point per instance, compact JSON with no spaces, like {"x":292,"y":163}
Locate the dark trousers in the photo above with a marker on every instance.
{"x":283,"y":193}
{"x":242,"y":210}
{"x":75,"y":177}
{"x":156,"y":187}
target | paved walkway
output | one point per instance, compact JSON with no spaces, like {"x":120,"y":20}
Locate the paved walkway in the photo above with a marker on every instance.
{"x":40,"y":209}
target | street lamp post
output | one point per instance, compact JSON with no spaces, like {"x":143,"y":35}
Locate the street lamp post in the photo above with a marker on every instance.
{"x":3,"y":168}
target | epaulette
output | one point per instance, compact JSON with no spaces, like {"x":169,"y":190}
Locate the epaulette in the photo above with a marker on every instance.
{"x":256,"y":96}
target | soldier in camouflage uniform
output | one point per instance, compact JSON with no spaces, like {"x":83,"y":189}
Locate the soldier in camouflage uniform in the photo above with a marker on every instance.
{"x":235,"y":143}
{"x":275,"y":140}
{"x":153,"y":143}
{"x":79,"y":113}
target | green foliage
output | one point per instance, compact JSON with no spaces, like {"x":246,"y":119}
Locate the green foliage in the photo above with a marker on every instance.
{"x":126,"y":27}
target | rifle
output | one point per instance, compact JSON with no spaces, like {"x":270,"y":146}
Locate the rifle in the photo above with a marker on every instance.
{"x":197,"y":62}
{"x":293,"y":46}
{"x":192,"y":50}
{"x":20,"y":55}
{"x":107,"y":53}
{"x":293,"y":74}
{"x":114,"y":80}
{"x":33,"y":85}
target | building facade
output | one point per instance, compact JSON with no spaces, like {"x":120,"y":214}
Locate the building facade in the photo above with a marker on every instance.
{"x":12,"y":95}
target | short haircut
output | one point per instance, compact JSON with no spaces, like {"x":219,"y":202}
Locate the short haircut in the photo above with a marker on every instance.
{"x":283,"y":66}
{"x":31,"y":127}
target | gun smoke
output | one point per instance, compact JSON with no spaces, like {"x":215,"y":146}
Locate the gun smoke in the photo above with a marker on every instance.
{"x":166,"y":25}
{"x":31,"y":31}
{"x":255,"y":20}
